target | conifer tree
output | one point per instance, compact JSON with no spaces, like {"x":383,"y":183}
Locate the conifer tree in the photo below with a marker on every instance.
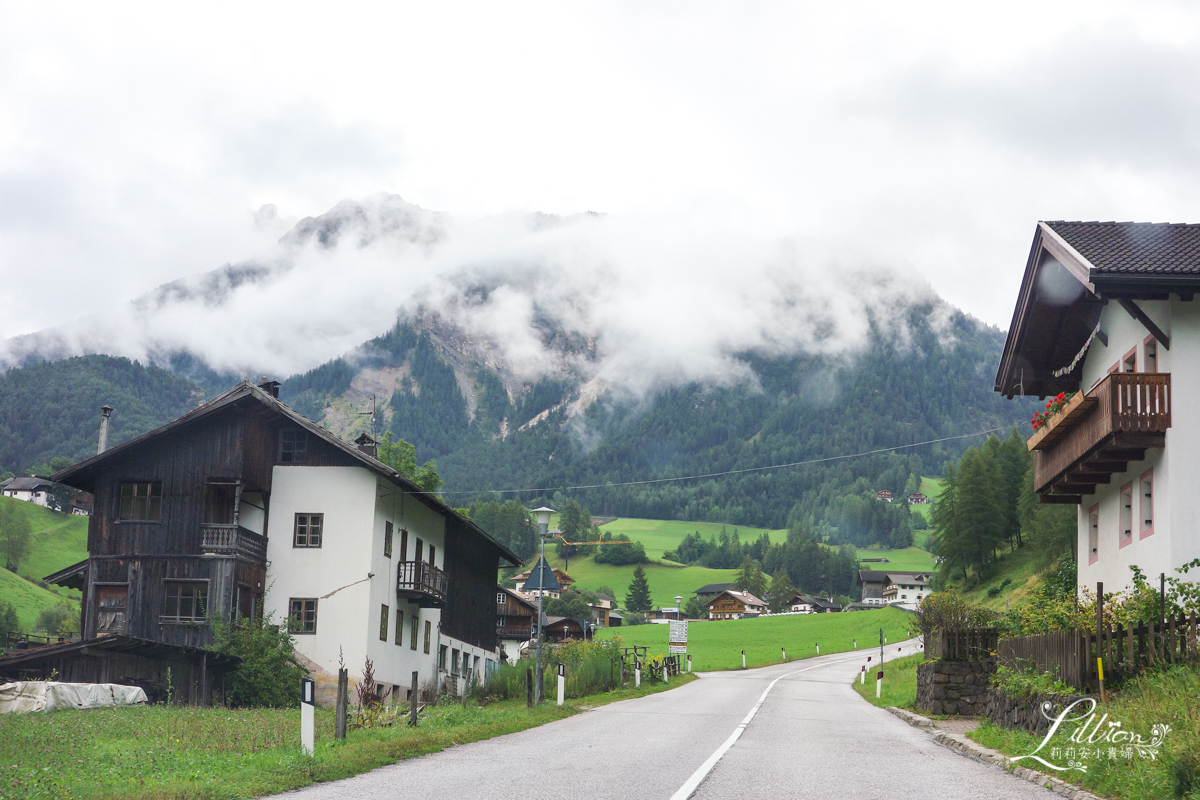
{"x":750,"y":578}
{"x":638,"y":596}
{"x":781,"y":592}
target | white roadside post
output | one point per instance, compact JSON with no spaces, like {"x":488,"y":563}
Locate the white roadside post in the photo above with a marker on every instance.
{"x":743,"y":659}
{"x":879,"y":684}
{"x":689,"y":663}
{"x":637,"y":673}
{"x":307,"y":687}
{"x":818,"y":648}
{"x":562,"y":683}
{"x":862,"y":676}
{"x":783,"y":650}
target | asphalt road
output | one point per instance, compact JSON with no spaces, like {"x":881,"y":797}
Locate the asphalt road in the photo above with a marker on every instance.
{"x":809,"y":736}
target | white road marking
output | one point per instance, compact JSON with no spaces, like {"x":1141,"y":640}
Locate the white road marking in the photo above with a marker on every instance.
{"x":693,"y":783}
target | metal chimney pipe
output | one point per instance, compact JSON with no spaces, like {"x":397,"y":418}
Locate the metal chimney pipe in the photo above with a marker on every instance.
{"x":105,"y":413}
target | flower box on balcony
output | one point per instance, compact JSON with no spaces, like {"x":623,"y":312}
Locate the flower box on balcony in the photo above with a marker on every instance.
{"x":1060,"y":422}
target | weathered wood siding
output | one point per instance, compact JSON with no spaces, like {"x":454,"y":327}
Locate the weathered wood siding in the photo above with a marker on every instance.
{"x":470,"y":564}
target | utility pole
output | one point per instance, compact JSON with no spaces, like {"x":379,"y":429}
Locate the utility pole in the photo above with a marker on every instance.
{"x":543,"y":520}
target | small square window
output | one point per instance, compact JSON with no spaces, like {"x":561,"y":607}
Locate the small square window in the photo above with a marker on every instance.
{"x":302,"y":615}
{"x":293,"y":446}
{"x":500,"y":597}
{"x":141,"y":501}
{"x":308,"y":530}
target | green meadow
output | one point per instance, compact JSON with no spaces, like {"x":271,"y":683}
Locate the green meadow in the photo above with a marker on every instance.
{"x":669,"y":579}
{"x":57,"y":540}
{"x":660,"y":535}
{"x":718,"y":644}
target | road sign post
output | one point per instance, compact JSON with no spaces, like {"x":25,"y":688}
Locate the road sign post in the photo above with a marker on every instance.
{"x":307,"y":703}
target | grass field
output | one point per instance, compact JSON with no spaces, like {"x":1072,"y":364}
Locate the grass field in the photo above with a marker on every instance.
{"x":899,"y":683}
{"x":57,"y":540}
{"x":1021,"y":569}
{"x":668,"y":580}
{"x":216,"y":753}
{"x":665,"y":581}
{"x":661,"y":535}
{"x":718,"y":645}
{"x":910,"y":559}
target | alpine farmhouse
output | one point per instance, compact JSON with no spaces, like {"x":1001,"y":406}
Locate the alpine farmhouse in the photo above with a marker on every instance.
{"x":1106,"y":311}
{"x":243,"y":506}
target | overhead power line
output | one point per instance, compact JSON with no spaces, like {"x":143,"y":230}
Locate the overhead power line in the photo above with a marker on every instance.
{"x":727,"y":472}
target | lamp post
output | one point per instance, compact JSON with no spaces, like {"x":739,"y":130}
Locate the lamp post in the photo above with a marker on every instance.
{"x":543,"y":523}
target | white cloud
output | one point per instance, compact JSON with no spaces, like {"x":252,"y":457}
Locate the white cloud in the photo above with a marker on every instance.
{"x":137,"y":142}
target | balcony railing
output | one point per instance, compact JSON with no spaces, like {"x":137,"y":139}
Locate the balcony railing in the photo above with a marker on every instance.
{"x":421,"y":583}
{"x":521,"y":632}
{"x":1122,"y":416}
{"x":229,"y":540}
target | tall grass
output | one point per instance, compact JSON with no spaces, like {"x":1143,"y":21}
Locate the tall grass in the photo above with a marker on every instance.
{"x":591,"y":668}
{"x":1166,"y":696}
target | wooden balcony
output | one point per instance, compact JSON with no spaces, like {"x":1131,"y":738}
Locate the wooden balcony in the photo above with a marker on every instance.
{"x":233,"y":540}
{"x":421,"y":583}
{"x":522,"y":632}
{"x":1099,"y":434}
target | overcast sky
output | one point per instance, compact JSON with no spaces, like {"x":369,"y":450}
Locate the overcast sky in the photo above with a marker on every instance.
{"x":137,"y":143}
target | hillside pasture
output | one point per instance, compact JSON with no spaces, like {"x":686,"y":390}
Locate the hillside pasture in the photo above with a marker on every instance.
{"x":718,"y":644}
{"x":659,"y":535}
{"x":910,"y":559}
{"x":29,"y":599}
{"x":665,"y":581}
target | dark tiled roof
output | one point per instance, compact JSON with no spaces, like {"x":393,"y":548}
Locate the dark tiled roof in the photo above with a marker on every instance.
{"x":713,"y":588}
{"x":1147,"y":248}
{"x":871,"y":576}
{"x":26,"y":484}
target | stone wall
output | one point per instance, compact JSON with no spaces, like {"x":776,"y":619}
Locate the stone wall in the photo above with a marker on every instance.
{"x":1026,"y":713}
{"x":954,"y":687}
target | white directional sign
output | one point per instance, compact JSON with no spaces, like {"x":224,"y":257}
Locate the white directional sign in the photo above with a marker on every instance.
{"x":677,"y":637}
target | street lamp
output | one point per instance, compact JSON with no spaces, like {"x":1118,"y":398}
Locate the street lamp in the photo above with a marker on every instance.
{"x":541,"y":582}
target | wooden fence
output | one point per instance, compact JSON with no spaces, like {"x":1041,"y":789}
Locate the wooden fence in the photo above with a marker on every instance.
{"x":966,"y":644}
{"x":1125,"y":649}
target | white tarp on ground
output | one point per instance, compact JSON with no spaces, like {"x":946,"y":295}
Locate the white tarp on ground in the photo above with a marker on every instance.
{"x":52,"y":696}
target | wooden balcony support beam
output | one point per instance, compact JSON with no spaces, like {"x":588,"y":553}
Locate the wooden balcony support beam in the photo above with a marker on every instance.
{"x":1060,"y":499}
{"x":1072,"y":488}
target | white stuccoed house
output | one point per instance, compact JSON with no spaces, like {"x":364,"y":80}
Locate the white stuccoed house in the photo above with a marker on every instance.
{"x":244,"y":505}
{"x":1106,"y":310}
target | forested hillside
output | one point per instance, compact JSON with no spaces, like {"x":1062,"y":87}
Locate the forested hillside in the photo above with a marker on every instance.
{"x":802,"y":409}
{"x":52,"y":409}
{"x":490,"y":433}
